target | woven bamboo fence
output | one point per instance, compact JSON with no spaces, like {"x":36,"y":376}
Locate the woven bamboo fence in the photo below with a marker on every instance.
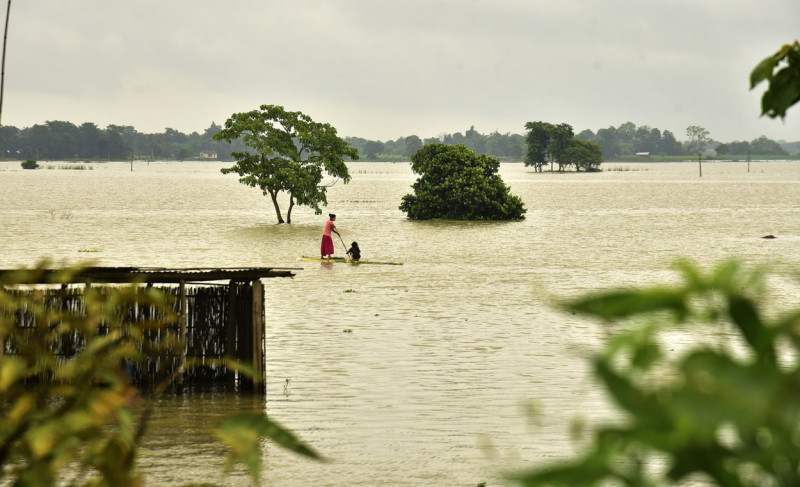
{"x":215,"y":322}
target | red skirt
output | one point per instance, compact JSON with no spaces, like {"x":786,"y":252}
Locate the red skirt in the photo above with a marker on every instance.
{"x":327,"y":246}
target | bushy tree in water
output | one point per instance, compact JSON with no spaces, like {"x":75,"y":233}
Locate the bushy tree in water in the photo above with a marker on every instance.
{"x":455,"y":183}
{"x":725,"y":411}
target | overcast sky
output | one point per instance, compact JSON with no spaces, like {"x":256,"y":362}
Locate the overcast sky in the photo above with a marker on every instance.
{"x":386,"y":69}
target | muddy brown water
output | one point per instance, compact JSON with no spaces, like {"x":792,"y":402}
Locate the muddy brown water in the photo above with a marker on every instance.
{"x":420,"y":374}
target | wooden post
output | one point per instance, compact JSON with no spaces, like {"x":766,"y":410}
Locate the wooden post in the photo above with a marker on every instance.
{"x":230,"y":343}
{"x":700,"y":163}
{"x":67,"y":348}
{"x":183,"y":334}
{"x":258,"y":338}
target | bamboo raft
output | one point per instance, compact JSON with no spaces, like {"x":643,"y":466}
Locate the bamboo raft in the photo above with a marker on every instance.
{"x":344,"y":260}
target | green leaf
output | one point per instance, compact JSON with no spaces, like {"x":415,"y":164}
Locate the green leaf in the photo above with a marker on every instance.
{"x":11,"y":370}
{"x":763,"y":70}
{"x":41,"y":439}
{"x":629,"y":397}
{"x":625,"y":303}
{"x":242,"y":433}
{"x":745,"y":316}
{"x":783,"y":92}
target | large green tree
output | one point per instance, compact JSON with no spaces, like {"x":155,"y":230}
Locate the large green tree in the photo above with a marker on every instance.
{"x":289,"y":152}
{"x":456,"y":183}
{"x":538,"y":140}
{"x":560,"y":140}
{"x":547,"y":139}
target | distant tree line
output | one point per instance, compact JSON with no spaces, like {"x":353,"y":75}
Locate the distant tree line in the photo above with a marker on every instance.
{"x":508,"y":146}
{"x":615,"y":142}
{"x":761,"y":145}
{"x":628,"y":140}
{"x":58,"y":140}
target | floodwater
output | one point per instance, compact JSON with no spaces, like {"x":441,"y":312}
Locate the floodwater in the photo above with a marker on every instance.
{"x":420,"y":374}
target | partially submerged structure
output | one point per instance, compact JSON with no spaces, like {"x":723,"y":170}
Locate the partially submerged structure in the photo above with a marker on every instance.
{"x":220,"y":318}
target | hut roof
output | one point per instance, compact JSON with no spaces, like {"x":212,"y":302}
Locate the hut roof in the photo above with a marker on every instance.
{"x":155,"y":275}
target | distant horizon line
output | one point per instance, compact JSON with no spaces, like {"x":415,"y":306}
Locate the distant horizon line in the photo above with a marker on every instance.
{"x":4,"y":125}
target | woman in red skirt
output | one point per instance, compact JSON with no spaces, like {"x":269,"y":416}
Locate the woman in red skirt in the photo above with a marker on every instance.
{"x":326,"y":249}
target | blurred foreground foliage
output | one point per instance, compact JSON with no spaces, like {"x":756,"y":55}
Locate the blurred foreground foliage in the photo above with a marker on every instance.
{"x":781,"y":71}
{"x":723,"y":413}
{"x":77,"y":419}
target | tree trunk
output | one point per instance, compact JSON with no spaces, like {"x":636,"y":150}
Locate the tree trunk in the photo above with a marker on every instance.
{"x":289,"y":211}
{"x":274,"y":196}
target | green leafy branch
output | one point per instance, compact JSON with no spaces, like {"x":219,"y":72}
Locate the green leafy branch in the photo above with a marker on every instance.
{"x":781,"y":71}
{"x":727,"y":412}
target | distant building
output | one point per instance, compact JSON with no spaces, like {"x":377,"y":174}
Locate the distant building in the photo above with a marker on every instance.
{"x":643,"y":154}
{"x":208,"y":154}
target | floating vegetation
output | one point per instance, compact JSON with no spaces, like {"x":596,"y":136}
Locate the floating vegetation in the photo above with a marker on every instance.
{"x":61,"y":214}
{"x":349,"y":290}
{"x":624,"y":169}
{"x":347,"y":330}
{"x":75,"y":167}
{"x":89,"y":250}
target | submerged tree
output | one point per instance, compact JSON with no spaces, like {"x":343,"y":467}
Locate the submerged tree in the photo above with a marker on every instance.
{"x":455,"y":183}
{"x":290,"y":154}
{"x":547,"y":140}
{"x":583,"y":154}
{"x":538,"y":140}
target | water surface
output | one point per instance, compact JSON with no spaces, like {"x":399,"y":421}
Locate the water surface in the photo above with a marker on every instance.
{"x":443,"y":353}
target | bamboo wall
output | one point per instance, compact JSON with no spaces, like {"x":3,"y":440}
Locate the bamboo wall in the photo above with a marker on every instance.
{"x":217,"y":322}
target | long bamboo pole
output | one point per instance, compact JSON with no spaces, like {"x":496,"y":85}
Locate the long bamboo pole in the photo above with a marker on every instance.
{"x":3,"y":63}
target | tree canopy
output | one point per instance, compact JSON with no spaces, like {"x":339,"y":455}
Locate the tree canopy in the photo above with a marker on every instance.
{"x":456,"y":183}
{"x":551,"y":143}
{"x":583,"y":154}
{"x":698,"y":139}
{"x":290,"y":153}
